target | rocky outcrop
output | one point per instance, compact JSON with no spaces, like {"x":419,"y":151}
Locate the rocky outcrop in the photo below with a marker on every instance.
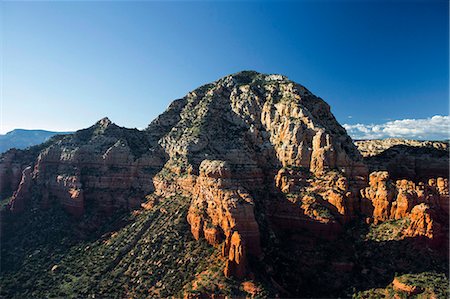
{"x":104,"y":166}
{"x":421,"y":203}
{"x":255,"y":122}
{"x":423,"y":223}
{"x":320,"y":204}
{"x":251,"y":158}
{"x":229,"y":139}
{"x":248,"y":146}
{"x":234,"y":252}
{"x":376,"y":200}
{"x":220,"y":210}
{"x":279,"y":119}
{"x":385,"y":200}
{"x":375,"y":147}
{"x":412,"y":184}
{"x":12,"y":164}
{"x":406,"y":288}
{"x":228,"y":206}
{"x":226,"y":145}
{"x":19,"y":198}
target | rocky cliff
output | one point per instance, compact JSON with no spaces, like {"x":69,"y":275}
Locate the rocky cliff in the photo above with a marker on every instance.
{"x":259,"y":169}
{"x":407,"y":159}
{"x":425,"y":206}
{"x":105,"y":167}
{"x":244,"y":141}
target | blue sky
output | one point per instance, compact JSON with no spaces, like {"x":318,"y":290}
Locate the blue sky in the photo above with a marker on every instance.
{"x":67,"y":64}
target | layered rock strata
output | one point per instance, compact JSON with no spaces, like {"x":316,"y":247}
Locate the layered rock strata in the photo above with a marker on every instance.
{"x":101,"y":167}
{"x":230,"y":142}
{"x":248,"y":146}
{"x":422,"y":203}
{"x":19,"y":198}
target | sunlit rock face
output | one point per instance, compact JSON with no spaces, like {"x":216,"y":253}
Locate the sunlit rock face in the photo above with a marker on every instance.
{"x":244,"y":143}
{"x":252,"y":140}
{"x":255,"y":155}
{"x":104,"y":167}
{"x":424,"y":204}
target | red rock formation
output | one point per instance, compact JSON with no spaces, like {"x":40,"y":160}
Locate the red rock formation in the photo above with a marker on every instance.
{"x":247,"y":141}
{"x":252,"y":128}
{"x":308,"y":145}
{"x":100,"y":164}
{"x":330,"y":187}
{"x":422,"y":203}
{"x":253,"y":121}
{"x":337,"y":191}
{"x":403,"y":287}
{"x":220,"y":207}
{"x":423,"y":223}
{"x":383,"y":200}
{"x":12,"y":164}
{"x":377,"y":198}
{"x":408,"y":195}
{"x":440,"y":185}
{"x":23,"y":193}
{"x":68,"y":190}
{"x":250,"y":288}
{"x":234,"y":250}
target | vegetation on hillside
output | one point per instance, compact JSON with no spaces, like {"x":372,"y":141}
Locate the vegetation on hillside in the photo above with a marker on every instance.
{"x":143,"y":254}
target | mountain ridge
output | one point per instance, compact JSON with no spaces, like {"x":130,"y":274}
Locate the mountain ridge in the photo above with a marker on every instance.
{"x":254,"y":165}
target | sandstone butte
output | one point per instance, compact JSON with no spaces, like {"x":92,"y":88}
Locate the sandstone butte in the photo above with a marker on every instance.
{"x":247,"y":146}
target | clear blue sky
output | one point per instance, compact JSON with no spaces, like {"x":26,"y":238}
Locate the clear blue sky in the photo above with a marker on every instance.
{"x":67,"y":64}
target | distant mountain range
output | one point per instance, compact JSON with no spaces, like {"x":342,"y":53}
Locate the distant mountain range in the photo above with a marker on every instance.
{"x":21,"y":138}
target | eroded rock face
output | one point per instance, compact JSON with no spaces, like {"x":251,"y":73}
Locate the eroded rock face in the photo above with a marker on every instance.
{"x":423,"y":222}
{"x":247,"y":145}
{"x":409,"y":176}
{"x":421,"y":203}
{"x":19,"y":198}
{"x":221,"y":209}
{"x":376,"y":199}
{"x":234,"y":252}
{"x":318,"y":203}
{"x":104,"y":166}
{"x":228,"y":143}
{"x":12,"y":164}
{"x":285,"y":123}
{"x":255,"y":157}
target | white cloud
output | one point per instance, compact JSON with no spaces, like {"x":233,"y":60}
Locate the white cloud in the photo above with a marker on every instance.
{"x":433,"y":128}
